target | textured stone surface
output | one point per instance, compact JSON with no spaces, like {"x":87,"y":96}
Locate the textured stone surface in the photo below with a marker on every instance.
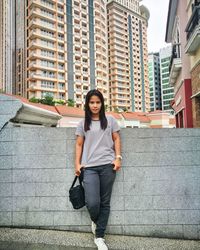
{"x":156,"y":193}
{"x":8,"y":108}
{"x":14,"y":239}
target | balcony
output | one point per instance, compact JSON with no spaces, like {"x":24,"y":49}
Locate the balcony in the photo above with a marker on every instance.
{"x":193,"y":31}
{"x":39,"y":3}
{"x":175,"y":64}
{"x":33,"y":55}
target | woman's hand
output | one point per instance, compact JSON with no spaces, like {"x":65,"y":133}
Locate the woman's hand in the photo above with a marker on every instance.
{"x":78,"y":169}
{"x":117,"y":163}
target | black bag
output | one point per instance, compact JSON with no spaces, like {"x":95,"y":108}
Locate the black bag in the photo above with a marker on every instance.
{"x":76,"y":194}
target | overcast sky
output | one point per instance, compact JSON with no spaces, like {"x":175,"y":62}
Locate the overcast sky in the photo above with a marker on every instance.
{"x":157,"y":23}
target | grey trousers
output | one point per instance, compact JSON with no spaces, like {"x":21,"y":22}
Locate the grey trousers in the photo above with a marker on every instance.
{"x":98,"y":182}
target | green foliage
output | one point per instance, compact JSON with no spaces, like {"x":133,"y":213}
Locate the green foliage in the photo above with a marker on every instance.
{"x":34,"y":99}
{"x":106,"y":108}
{"x":70,"y":102}
{"x":125,"y":109}
{"x":116,"y":110}
{"x":48,"y":100}
{"x":59,"y":102}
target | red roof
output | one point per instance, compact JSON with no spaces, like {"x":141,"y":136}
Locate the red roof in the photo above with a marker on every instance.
{"x":115,"y":115}
{"x":158,"y":112}
{"x":70,"y":111}
{"x":39,"y":105}
{"x":141,"y":116}
{"x":77,"y":112}
{"x":144,"y":119}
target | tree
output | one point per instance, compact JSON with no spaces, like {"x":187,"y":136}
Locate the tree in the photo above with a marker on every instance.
{"x":34,"y":99}
{"x":106,"y":107}
{"x":59,"y":102}
{"x":116,"y":110}
{"x":48,"y":100}
{"x":70,"y":102}
{"x":125,"y":109}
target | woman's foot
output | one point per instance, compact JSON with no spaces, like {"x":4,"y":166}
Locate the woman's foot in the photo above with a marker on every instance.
{"x":93,"y":227}
{"x":100,"y":242}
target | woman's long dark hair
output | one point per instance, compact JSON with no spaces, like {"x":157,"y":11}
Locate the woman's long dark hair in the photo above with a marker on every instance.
{"x":88,"y":113}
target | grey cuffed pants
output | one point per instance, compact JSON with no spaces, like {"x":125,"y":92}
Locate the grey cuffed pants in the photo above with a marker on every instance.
{"x":98,"y":182}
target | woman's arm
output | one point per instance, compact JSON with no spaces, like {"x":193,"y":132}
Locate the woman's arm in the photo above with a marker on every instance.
{"x":117,"y":147}
{"x":78,"y":154}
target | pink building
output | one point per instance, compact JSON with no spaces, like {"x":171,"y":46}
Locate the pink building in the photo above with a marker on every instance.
{"x":180,"y":63}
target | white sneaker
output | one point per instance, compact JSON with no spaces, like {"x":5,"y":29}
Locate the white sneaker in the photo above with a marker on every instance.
{"x":100,"y":242}
{"x":93,"y":227}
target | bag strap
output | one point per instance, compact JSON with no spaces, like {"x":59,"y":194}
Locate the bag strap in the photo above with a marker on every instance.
{"x":75,"y":179}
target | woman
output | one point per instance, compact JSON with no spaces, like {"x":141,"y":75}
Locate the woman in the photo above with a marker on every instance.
{"x":98,"y":155}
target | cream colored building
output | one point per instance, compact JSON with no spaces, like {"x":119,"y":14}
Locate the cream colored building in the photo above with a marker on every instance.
{"x":128,"y":55}
{"x":62,"y":50}
{"x":66,"y":50}
{"x":46,"y":49}
{"x":87,"y":67}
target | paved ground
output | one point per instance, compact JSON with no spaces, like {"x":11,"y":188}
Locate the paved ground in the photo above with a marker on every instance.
{"x":32,"y":239}
{"x":27,"y":246}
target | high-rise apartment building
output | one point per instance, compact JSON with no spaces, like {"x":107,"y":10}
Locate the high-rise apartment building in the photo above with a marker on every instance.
{"x":63,"y":49}
{"x":167,"y":91}
{"x":7,"y":46}
{"x":21,"y":46}
{"x":128,"y":55}
{"x":86,"y":49}
{"x":154,"y":81}
{"x":45,"y":38}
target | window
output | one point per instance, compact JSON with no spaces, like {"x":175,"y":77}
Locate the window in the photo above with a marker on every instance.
{"x":47,"y":84}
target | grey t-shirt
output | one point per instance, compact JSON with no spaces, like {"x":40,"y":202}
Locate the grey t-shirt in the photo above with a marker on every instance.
{"x":98,"y":146}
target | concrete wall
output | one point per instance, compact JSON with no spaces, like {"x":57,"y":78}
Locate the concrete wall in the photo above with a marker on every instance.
{"x":9,"y":106}
{"x":157,"y":192}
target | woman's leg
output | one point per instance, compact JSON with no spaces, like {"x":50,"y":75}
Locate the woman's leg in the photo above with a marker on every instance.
{"x":107,"y":177}
{"x":91,"y":185}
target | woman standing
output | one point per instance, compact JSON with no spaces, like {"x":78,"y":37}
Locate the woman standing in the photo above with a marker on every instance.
{"x":98,"y":154}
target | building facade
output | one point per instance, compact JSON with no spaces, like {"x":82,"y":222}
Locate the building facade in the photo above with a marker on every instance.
{"x":192,"y":49}
{"x":167,"y":90}
{"x":46,"y":49}
{"x":7,"y":46}
{"x":128,"y":55}
{"x":86,"y":49}
{"x":66,"y":44}
{"x":21,"y":46}
{"x":154,"y":81}
{"x":180,"y":64}
{"x":64,"y":48}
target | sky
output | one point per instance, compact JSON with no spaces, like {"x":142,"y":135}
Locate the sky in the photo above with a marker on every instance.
{"x":157,"y":23}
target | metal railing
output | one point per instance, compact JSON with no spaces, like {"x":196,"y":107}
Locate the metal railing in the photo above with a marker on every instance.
{"x":176,"y":53}
{"x":194,"y":21}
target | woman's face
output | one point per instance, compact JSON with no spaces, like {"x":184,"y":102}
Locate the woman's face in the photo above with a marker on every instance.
{"x":95,"y":104}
